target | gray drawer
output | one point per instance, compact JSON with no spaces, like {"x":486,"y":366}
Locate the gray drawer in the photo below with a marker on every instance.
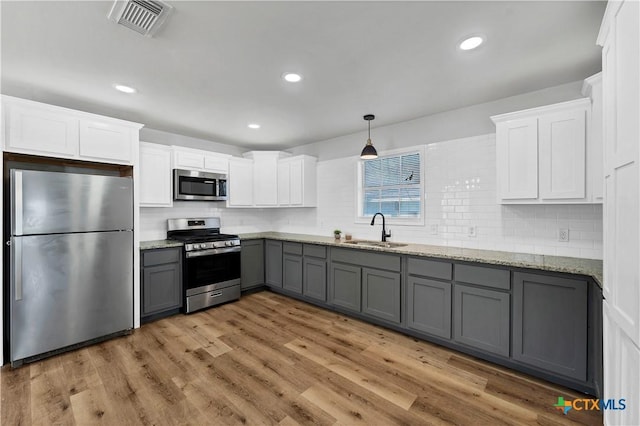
{"x":429,"y":268}
{"x":315,"y":251}
{"x":366,"y":258}
{"x":161,"y":256}
{"x":292,"y":248}
{"x":481,"y":275}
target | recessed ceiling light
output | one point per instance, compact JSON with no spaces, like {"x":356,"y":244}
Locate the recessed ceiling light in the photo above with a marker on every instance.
{"x":124,"y":89}
{"x":253,"y":126}
{"x":292,"y":77}
{"x":471,"y":42}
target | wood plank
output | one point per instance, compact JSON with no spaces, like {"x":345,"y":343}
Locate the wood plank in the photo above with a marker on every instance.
{"x":15,"y":393}
{"x":268,"y":359}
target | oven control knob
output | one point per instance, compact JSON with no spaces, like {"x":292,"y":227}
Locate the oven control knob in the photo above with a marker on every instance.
{"x":228,"y":243}
{"x":198,"y":246}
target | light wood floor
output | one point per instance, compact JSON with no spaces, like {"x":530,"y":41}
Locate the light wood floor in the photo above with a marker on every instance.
{"x":269,"y":359}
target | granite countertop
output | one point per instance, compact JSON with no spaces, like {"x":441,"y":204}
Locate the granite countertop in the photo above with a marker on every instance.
{"x":159,"y":244}
{"x":572,"y":265}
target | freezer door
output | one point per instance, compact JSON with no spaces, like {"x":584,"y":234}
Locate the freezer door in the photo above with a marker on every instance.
{"x":53,"y":202}
{"x":69,"y":288}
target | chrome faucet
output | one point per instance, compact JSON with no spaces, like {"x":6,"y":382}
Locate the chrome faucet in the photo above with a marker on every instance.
{"x":384,"y":231}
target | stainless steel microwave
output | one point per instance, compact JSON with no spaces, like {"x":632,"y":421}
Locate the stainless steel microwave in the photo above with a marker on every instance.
{"x":190,"y":185}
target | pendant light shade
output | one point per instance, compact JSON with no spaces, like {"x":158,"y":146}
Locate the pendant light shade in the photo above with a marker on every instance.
{"x":369,"y":152}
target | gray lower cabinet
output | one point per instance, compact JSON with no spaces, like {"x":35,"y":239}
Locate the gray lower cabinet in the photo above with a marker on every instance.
{"x":429,"y":306}
{"x":345,"y":286}
{"x":292,"y":272}
{"x":161,"y":281}
{"x":314,"y":280}
{"x":273,"y":263}
{"x":481,"y":318}
{"x":545,"y":324}
{"x":381,"y":294}
{"x":550,"y":323}
{"x":252,"y":264}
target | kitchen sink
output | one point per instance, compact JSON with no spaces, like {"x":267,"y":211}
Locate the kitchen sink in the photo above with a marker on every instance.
{"x":385,"y":244}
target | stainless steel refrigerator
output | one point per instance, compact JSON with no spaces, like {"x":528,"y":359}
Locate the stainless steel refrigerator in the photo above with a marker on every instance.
{"x":71,"y":271}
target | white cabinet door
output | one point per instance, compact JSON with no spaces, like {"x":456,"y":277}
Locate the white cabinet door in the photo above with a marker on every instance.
{"x":265,"y":180}
{"x":240,"y":183}
{"x":620,"y":41}
{"x":216,"y":164}
{"x":562,"y":149}
{"x":188,"y":160}
{"x":517,"y":159}
{"x":284,"y":177}
{"x":40,"y":131}
{"x":155,"y":176}
{"x":297,"y":182}
{"x":103,"y":141}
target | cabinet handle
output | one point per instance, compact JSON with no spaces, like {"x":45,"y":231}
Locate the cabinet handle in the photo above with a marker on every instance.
{"x":16,"y":266}
{"x":216,"y":294}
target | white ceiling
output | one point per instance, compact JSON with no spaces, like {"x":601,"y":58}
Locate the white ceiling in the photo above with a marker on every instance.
{"x":214,"y":66}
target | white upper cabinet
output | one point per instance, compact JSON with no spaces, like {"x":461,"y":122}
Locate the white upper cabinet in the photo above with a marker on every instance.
{"x":272,"y":179}
{"x":297,"y":182}
{"x":265,"y":177}
{"x":543,"y":155}
{"x":562,"y":149}
{"x":155,"y":175}
{"x":102,"y":140}
{"x":592,"y":88}
{"x":284,"y":185}
{"x":195,"y":159}
{"x":188,"y":159}
{"x":240,"y":182}
{"x":517,"y":157}
{"x":40,"y":129}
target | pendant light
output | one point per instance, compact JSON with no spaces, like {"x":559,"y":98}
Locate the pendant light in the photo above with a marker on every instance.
{"x":369,"y":152}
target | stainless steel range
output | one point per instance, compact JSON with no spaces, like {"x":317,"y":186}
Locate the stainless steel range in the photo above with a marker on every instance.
{"x":211,"y":263}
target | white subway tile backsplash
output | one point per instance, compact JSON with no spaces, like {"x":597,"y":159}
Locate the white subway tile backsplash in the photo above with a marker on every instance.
{"x":460,"y":191}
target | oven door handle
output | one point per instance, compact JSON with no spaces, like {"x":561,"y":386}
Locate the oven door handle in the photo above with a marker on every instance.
{"x":212,"y":252}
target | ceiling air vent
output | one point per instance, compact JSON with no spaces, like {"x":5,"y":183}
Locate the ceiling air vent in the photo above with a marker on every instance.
{"x":142,"y":16}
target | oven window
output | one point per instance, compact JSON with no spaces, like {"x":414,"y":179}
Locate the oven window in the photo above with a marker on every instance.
{"x":197,"y":186}
{"x":216,"y":268}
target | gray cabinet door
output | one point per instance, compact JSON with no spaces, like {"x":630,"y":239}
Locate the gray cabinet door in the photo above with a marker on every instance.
{"x":381,"y":294}
{"x":273,"y":263}
{"x":429,"y":306}
{"x":481,"y":319}
{"x":252,"y":264}
{"x":550,"y":323}
{"x":345,"y":286}
{"x":292,"y":273}
{"x":161,"y":288}
{"x":314,"y":281}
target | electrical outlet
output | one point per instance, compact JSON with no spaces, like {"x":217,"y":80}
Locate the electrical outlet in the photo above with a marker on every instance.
{"x":563,"y":235}
{"x":434,"y":229}
{"x":471,"y":231}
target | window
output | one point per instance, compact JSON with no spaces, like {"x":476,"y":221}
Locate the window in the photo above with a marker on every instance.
{"x":392,"y":185}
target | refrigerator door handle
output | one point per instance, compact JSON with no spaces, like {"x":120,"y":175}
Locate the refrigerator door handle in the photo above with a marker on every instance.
{"x":17,"y":202}
{"x":16,"y":266}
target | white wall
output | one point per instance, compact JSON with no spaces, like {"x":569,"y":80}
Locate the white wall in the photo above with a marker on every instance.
{"x":459,"y":123}
{"x":153,"y":220}
{"x":460,"y":191}
{"x":166,"y":138}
